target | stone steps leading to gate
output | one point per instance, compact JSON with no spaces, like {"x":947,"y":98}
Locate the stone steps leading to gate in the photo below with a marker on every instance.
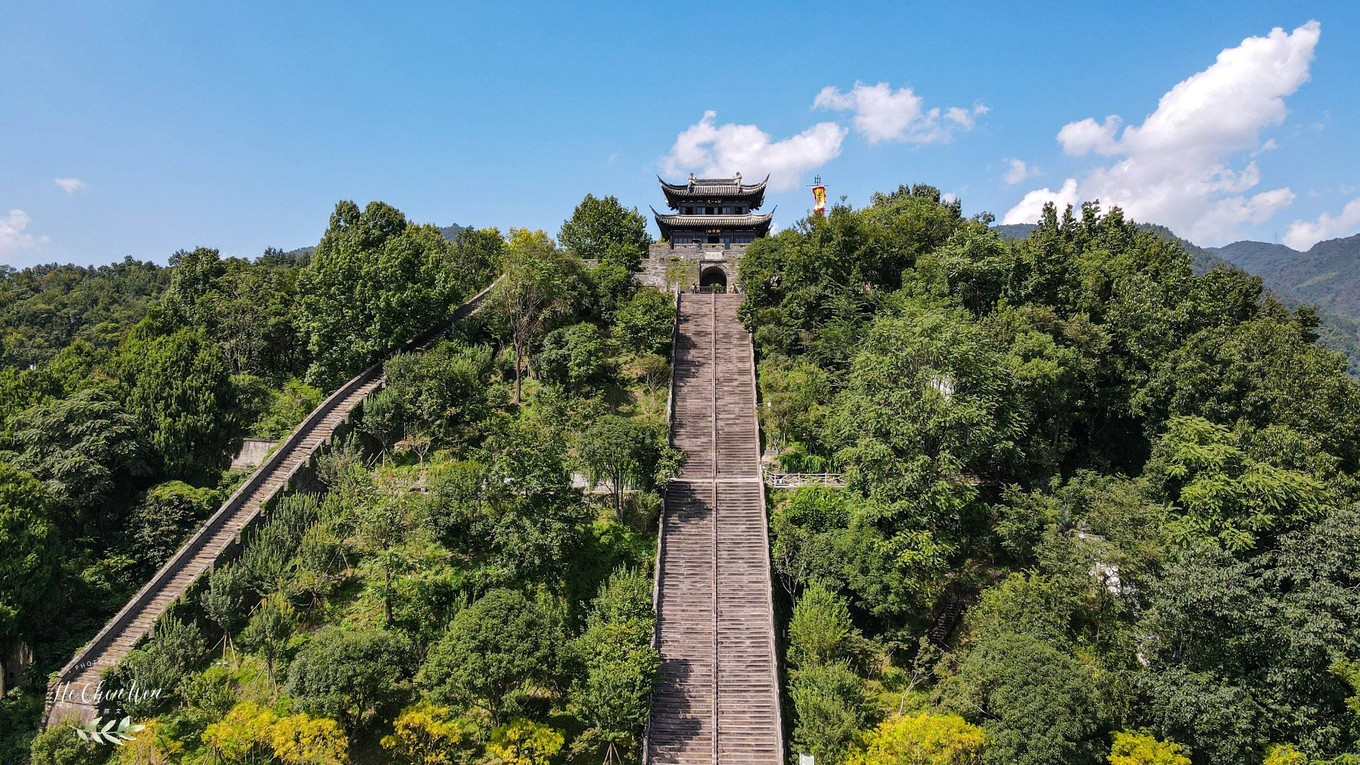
{"x":718,"y":699}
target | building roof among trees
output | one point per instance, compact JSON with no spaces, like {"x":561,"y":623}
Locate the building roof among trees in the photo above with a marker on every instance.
{"x":758,"y":222}
{"x":717,"y":189}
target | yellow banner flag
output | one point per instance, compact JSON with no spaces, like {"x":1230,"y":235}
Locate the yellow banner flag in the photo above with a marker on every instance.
{"x":819,"y":195}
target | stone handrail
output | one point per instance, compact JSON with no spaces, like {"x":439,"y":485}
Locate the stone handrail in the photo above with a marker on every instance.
{"x":238,"y":499}
{"x":660,"y":522}
{"x":765,"y":535}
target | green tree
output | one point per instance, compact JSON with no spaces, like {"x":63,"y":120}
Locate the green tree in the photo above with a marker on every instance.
{"x":28,"y":568}
{"x":613,"y":697}
{"x":384,"y":419}
{"x":1224,"y":494}
{"x":622,"y":450}
{"x":270,"y":627}
{"x":61,"y":745}
{"x":576,"y":356}
{"x":246,"y":309}
{"x":604,"y":230}
{"x":1035,"y":701}
{"x":166,"y":515}
{"x":443,"y":391}
{"x":539,"y":286}
{"x":1241,"y":653}
{"x":375,"y":281}
{"x":808,"y":530}
{"x":492,"y":653}
{"x":180,"y":390}
{"x":287,"y":408}
{"x":346,"y":674}
{"x":829,"y":709}
{"x":513,"y":513}
{"x":795,"y":396}
{"x":480,"y":253}
{"x":225,"y":600}
{"x":193,"y":274}
{"x":87,"y":450}
{"x":643,"y":325}
{"x":382,"y":527}
{"x":820,"y":630}
{"x":162,"y":664}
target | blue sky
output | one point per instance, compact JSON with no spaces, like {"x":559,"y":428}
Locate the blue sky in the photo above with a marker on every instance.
{"x":143,"y":128}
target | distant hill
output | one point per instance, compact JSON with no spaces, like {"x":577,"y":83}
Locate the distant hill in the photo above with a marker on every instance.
{"x":1014,"y":230}
{"x":450,"y":233}
{"x":1326,"y":276}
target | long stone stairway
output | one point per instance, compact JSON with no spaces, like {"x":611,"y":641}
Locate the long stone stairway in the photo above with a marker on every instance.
{"x":72,"y":693}
{"x":718,"y":700}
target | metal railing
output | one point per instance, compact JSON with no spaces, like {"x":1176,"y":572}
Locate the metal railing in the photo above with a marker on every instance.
{"x":796,"y":480}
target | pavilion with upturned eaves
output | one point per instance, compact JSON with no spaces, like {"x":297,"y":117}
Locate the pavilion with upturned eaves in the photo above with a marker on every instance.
{"x":715,"y":211}
{"x":712,"y":221}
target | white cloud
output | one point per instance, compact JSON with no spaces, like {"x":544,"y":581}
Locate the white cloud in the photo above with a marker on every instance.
{"x":70,"y":185}
{"x":1031,"y":206}
{"x":13,"y":240}
{"x":1019,"y":171}
{"x":1304,"y":234}
{"x":1086,"y":136}
{"x":722,"y":150}
{"x":1174,"y":168}
{"x":884,"y":114}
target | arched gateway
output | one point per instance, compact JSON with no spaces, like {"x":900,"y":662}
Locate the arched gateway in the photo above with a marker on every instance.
{"x":713,"y":279}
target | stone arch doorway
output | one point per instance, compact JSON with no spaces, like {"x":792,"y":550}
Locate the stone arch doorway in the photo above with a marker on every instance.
{"x":713,"y":279}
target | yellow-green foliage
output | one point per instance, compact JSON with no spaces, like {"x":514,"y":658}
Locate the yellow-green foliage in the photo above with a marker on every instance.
{"x":523,"y":742}
{"x":305,"y":740}
{"x":149,"y":746}
{"x":428,"y":734}
{"x":921,"y":739}
{"x":1143,"y":749}
{"x":242,"y":734}
{"x":1284,"y":754}
{"x":250,"y":731}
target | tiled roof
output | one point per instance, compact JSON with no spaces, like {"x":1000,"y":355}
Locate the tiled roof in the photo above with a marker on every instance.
{"x":714,"y":188}
{"x":758,"y":221}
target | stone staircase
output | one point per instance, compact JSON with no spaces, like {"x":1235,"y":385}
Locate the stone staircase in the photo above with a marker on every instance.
{"x":718,"y":699}
{"x":72,"y":692}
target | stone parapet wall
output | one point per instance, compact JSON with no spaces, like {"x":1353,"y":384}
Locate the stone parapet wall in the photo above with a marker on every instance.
{"x":677,"y":267}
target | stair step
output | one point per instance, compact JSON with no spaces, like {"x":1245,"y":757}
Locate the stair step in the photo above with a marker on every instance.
{"x":715,"y":623}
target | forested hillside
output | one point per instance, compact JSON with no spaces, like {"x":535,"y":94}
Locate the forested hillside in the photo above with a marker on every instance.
{"x":1326,"y":277}
{"x":1099,"y":507}
{"x":126,"y":389}
{"x":1138,"y":482}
